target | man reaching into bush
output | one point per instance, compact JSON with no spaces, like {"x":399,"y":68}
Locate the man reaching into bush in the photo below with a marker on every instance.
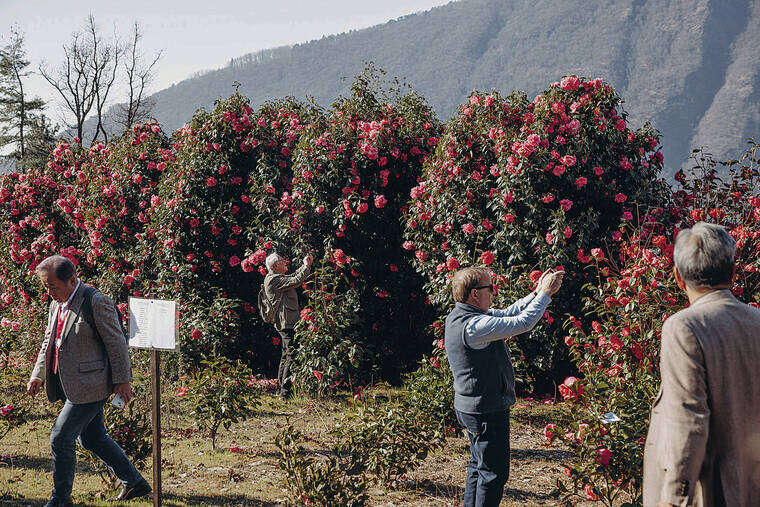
{"x":82,"y":362}
{"x":484,"y":381}
{"x":703,"y":445}
{"x":280,"y":289}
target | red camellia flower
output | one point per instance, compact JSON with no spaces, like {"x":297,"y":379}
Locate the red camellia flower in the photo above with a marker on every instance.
{"x":603,"y":456}
{"x":581,"y":182}
{"x":535,"y":275}
{"x":550,"y":430}
{"x":211,"y":181}
{"x":487,"y":257}
{"x":452,"y":263}
{"x":621,"y":197}
{"x":6,"y":410}
{"x":234,"y":261}
{"x":196,"y":334}
{"x":181,"y":391}
{"x":317,"y":374}
{"x":597,"y":253}
{"x":571,"y":388}
{"x":566,"y":204}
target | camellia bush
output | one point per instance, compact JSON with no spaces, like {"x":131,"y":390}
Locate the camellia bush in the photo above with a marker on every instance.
{"x":521,"y":186}
{"x":632,"y":292}
{"x":353,"y":171}
{"x":218,"y":215}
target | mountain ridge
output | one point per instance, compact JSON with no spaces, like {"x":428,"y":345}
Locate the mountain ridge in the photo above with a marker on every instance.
{"x":687,"y":66}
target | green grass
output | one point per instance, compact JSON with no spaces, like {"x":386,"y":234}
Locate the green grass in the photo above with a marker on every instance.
{"x":193,"y":474}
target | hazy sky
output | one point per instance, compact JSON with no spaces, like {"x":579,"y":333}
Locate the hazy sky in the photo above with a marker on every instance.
{"x":193,"y":35}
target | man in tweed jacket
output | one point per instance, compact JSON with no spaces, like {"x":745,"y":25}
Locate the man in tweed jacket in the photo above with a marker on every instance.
{"x":280,"y":289}
{"x":82,"y":367}
{"x":703,"y":446}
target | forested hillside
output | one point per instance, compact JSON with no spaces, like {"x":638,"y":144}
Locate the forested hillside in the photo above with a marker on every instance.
{"x":691,"y":67}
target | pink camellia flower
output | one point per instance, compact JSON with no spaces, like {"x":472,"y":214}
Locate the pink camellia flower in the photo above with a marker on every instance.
{"x":452,"y":263}
{"x":571,"y":388}
{"x":468,"y":228}
{"x":588,"y":490}
{"x":597,"y":253}
{"x":566,"y":204}
{"x":549,"y":238}
{"x":616,"y":343}
{"x":234,"y":261}
{"x":509,"y":218}
{"x":570,"y":83}
{"x":211,"y":181}
{"x":559,"y":170}
{"x":128,"y":279}
{"x":407,"y":245}
{"x":420,"y":255}
{"x":598,"y":171}
{"x":568,"y":232}
{"x":380,"y":201}
{"x":247,"y":265}
{"x":550,"y":430}
{"x":181,"y":391}
{"x":487,"y":257}
{"x":569,"y":341}
{"x":568,"y":160}
{"x":621,"y":197}
{"x":363,"y":207}
{"x":581,"y":182}
{"x":627,"y":215}
{"x":196,"y":334}
{"x":547,"y":198}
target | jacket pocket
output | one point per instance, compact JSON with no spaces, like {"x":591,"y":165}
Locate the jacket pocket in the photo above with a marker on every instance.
{"x":88,"y":366}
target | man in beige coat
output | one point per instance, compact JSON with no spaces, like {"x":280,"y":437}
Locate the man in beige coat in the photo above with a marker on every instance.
{"x":280,"y":289}
{"x":82,"y":361}
{"x":703,"y":446}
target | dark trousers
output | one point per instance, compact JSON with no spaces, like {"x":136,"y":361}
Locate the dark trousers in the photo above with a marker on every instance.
{"x":488,"y":469}
{"x":283,"y":372}
{"x":85,"y":422}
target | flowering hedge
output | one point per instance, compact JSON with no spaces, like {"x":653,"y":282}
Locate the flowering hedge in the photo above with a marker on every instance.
{"x":617,"y":352}
{"x":217,"y":217}
{"x":353,"y":171}
{"x":522,"y":186}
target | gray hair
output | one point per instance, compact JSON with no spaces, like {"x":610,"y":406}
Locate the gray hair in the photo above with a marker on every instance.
{"x":704,"y":255}
{"x":271,"y":259}
{"x":60,"y":266}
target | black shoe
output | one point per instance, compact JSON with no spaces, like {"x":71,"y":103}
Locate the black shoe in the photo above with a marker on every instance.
{"x":57,"y":502}
{"x":128,"y":493}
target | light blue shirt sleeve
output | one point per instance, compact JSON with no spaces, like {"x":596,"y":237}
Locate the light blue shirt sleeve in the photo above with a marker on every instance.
{"x":515,"y":308}
{"x":520,"y":317}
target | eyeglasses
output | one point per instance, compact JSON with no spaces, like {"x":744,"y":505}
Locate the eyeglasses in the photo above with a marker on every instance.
{"x":489,"y":287}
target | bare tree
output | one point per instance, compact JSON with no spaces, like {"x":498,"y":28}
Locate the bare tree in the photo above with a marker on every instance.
{"x":85,"y":77}
{"x":139,"y":74}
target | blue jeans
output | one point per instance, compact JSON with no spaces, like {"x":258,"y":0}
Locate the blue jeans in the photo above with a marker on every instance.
{"x":488,"y":469}
{"x":85,"y":423}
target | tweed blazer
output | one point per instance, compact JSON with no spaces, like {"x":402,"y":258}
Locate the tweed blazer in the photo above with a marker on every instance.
{"x":703,"y":445}
{"x":281,"y":290}
{"x":88,"y":365}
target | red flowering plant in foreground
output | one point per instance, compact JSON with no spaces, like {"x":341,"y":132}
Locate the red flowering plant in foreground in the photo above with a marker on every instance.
{"x":524,"y":186}
{"x":217,"y":216}
{"x":352,"y":175}
{"x":633,"y":291}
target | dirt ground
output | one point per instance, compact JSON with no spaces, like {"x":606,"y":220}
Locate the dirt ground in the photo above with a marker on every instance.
{"x":243,"y":469}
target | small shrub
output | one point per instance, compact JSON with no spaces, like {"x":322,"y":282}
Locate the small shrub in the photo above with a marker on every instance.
{"x":222,"y":393}
{"x":387,"y":440}
{"x":313,"y":482}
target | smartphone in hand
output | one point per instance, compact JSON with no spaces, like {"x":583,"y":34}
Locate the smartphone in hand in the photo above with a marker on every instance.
{"x":117,"y":401}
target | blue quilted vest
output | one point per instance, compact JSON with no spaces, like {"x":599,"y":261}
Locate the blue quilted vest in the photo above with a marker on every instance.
{"x":484,"y":380}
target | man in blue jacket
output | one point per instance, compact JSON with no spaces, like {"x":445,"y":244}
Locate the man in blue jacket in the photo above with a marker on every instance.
{"x":484,"y":380}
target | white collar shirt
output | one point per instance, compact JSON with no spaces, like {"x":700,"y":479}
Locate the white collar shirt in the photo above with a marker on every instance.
{"x":62,"y":310}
